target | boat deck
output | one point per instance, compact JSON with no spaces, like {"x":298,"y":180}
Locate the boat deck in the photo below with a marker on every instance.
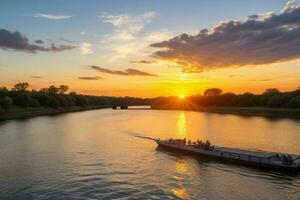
{"x":259,"y":158}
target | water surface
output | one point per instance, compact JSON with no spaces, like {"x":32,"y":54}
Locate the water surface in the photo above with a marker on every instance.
{"x":94,"y":155}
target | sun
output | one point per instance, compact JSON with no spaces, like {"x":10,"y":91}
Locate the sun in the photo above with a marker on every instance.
{"x":181,"y":96}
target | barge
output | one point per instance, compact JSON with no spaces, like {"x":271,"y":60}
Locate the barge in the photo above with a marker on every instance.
{"x":268,"y":160}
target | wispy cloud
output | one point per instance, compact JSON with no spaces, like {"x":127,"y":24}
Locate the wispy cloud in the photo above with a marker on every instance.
{"x":261,"y":80}
{"x":19,"y":42}
{"x":143,"y":61}
{"x":52,"y":17}
{"x":90,"y":78}
{"x":260,"y":39}
{"x":127,"y":72}
{"x":37,"y":77}
{"x":86,"y":48}
{"x":66,"y":40}
{"x":129,"y":38}
{"x":127,"y":26}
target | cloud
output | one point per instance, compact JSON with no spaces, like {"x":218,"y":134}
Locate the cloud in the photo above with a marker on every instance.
{"x":83,"y":33}
{"x":127,"y":26}
{"x":90,"y":78}
{"x":261,"y":80}
{"x":52,"y":17}
{"x":127,"y":72}
{"x":60,"y":48}
{"x":39,"y":42}
{"x":143,"y":62}
{"x":85,"y":48}
{"x":66,"y":40}
{"x":37,"y":77}
{"x":260,"y":39}
{"x":19,"y":42}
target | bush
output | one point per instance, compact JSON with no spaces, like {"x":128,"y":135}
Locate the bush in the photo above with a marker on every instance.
{"x":33,"y":103}
{"x":53,"y":102}
{"x":275,"y":101}
{"x":6,"y":103}
{"x":294,"y":102}
{"x":22,"y":100}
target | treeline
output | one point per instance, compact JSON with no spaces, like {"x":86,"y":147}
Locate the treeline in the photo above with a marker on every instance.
{"x":272,"y":98}
{"x":57,"y":97}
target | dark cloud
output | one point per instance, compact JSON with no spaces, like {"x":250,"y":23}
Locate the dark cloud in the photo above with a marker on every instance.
{"x":60,"y":48}
{"x":127,"y":72}
{"x":38,"y":77}
{"x":143,"y":62}
{"x":39,"y":42}
{"x":66,"y":40}
{"x":19,"y":42}
{"x":90,"y":78}
{"x":260,"y":39}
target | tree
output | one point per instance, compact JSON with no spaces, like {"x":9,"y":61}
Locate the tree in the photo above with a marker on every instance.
{"x":33,"y":103}
{"x":213,"y":92}
{"x":52,"y":89}
{"x":294,"y":102}
{"x":22,"y":100}
{"x":21,"y":87}
{"x":63,"y":89}
{"x":271,"y":91}
{"x":3,"y":91}
{"x":275,"y":100}
{"x":6,"y":102}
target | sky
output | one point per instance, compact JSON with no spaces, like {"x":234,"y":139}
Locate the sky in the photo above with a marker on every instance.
{"x":151,"y":48}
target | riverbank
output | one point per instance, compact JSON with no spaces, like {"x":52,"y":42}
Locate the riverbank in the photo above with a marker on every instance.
{"x":249,"y":111}
{"x":20,"y":113}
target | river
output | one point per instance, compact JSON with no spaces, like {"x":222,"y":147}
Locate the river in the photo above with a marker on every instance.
{"x":95,"y":155}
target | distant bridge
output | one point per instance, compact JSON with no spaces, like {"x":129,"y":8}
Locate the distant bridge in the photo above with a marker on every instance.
{"x":122,"y":107}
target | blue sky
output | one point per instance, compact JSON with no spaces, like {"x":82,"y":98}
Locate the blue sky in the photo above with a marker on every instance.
{"x":178,"y":15}
{"x":93,"y":28}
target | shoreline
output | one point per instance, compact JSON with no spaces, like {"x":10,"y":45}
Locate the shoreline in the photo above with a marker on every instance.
{"x":245,"y":111}
{"x":23,"y":113}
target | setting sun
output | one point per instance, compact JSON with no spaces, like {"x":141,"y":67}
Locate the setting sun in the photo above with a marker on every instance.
{"x":181,"y":96}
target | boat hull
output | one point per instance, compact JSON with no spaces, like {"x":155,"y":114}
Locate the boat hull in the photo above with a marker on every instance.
{"x":217,"y":155}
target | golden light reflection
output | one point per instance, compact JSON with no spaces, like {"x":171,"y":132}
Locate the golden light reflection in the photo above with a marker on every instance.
{"x":181,"y":126}
{"x":180,"y":193}
{"x":181,"y":170}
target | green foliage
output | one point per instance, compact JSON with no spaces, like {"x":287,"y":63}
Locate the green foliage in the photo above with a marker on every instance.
{"x":6,"y":102}
{"x":294,"y":102}
{"x":33,"y":103}
{"x":276,"y":100}
{"x":22,"y":99}
{"x":3,"y":92}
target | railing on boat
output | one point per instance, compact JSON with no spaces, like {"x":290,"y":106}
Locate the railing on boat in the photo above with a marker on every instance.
{"x":244,"y":157}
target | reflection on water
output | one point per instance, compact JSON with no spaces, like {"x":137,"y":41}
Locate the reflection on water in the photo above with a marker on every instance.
{"x":181,"y":126}
{"x":93,"y":155}
{"x":181,"y":173}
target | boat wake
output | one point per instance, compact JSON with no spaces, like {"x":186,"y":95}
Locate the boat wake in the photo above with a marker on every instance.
{"x":140,"y":136}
